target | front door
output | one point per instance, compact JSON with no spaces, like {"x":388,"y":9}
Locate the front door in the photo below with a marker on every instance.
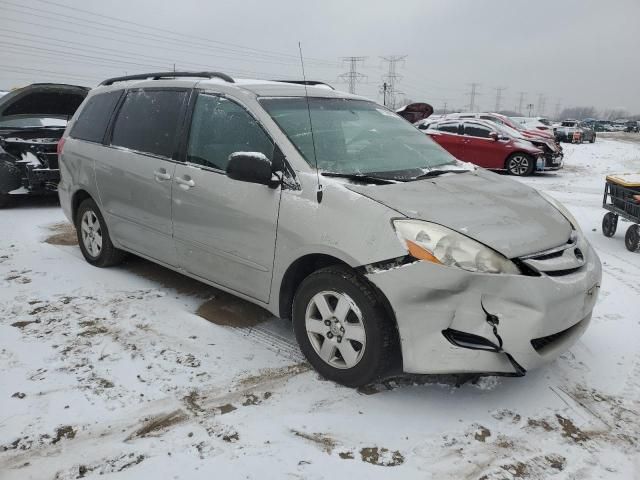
{"x":480,"y":149}
{"x":225,"y":230}
{"x":135,"y":172}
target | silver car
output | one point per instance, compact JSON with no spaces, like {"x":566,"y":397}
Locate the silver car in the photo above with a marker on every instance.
{"x":331,"y":210}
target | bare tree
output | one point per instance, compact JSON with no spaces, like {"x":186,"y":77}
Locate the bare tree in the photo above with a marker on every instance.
{"x":579,"y":113}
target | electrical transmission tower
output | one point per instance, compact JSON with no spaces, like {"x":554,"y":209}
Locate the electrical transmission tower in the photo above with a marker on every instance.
{"x":521,"y":102}
{"x":352,"y":76}
{"x":542,"y":100}
{"x":499,"y":91}
{"x":391,"y":79}
{"x":473,"y":93}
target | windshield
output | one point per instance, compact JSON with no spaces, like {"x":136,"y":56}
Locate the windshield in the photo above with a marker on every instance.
{"x":357,"y":137}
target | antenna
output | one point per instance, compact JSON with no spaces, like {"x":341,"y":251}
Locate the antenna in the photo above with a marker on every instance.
{"x":313,"y":141}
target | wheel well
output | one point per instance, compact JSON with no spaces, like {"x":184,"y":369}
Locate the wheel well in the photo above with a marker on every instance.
{"x":78,"y":198}
{"x":296,"y":273}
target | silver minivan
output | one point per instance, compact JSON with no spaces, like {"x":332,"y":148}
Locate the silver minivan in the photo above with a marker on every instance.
{"x":333,"y":211}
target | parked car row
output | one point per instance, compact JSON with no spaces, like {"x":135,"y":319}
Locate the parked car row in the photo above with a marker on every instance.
{"x":495,"y":141}
{"x":574,"y":131}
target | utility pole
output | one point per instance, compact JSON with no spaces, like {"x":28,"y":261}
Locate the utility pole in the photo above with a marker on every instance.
{"x":530,"y":108}
{"x":352,"y":76}
{"x":557,"y":109}
{"x":472,"y":96}
{"x":521,"y":102}
{"x":384,"y":93}
{"x":444,"y":108}
{"x":499,"y":91}
{"x":391,"y":79}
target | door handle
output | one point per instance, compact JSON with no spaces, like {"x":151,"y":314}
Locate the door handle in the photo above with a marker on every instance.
{"x":161,"y":175}
{"x":185,"y":182}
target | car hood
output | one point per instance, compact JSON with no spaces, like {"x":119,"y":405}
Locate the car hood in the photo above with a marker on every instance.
{"x":501,"y":213}
{"x":42,"y":99}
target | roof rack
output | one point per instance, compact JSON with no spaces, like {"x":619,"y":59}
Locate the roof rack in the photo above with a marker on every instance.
{"x":309,"y":83}
{"x":160,"y":75}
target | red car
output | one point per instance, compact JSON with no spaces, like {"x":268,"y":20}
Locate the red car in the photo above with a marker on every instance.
{"x":504,"y":120}
{"x":483,"y":144}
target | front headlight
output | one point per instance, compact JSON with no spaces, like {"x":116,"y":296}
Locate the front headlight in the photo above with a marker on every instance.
{"x":563,"y":210}
{"x":437,"y":244}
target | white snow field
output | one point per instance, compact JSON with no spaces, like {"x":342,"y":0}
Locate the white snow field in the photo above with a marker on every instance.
{"x":137,"y":372}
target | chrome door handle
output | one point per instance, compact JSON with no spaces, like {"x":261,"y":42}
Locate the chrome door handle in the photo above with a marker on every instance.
{"x":185,"y":182}
{"x":161,"y":175}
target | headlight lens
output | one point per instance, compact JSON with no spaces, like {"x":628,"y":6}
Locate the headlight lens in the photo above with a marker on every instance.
{"x":563,"y":210}
{"x":437,"y":244}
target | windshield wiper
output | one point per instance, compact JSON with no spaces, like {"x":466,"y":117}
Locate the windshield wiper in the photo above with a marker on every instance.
{"x":436,"y":173}
{"x":359,"y":177}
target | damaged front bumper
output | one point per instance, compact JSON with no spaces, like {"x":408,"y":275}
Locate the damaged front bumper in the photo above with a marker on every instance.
{"x":453,"y":321}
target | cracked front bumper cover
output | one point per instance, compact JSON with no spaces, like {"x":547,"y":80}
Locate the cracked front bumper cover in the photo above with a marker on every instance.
{"x":530,"y":319}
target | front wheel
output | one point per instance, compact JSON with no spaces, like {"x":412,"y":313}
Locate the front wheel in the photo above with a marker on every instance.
{"x":520,"y":164}
{"x":609,"y":224}
{"x":342,"y":328}
{"x":93,"y":236}
{"x":632,"y":238}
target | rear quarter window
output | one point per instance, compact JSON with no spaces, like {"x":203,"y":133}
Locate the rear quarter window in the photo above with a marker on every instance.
{"x":93,"y":120}
{"x":149,"y":121}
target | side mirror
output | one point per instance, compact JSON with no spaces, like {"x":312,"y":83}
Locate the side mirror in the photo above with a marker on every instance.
{"x":252,"y":167}
{"x":494,"y":136}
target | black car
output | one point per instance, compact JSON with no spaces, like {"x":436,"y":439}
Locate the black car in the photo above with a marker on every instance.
{"x":32,"y":120}
{"x":574,"y":131}
{"x":631,"y":126}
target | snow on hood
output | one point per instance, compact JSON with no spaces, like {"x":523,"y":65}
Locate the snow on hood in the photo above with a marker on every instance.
{"x":501,"y":213}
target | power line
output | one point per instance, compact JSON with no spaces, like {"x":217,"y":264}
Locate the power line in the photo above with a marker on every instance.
{"x":499,"y":91}
{"x":391,"y":79}
{"x":353,"y":76}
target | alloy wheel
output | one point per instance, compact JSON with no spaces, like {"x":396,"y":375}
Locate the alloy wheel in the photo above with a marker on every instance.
{"x":519,"y":165}
{"x":91,"y":233}
{"x":334,"y":326}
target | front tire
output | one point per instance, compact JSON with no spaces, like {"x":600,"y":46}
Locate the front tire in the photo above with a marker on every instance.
{"x":520,"y":164}
{"x":632,"y":238}
{"x":4,"y":200}
{"x":93,"y":236}
{"x":342,"y":328}
{"x":609,"y":224}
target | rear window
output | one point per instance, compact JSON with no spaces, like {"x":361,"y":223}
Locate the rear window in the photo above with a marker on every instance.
{"x":92,"y":122}
{"x":148,"y":121}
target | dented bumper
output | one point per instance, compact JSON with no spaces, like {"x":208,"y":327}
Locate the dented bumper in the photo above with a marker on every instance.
{"x":453,"y":321}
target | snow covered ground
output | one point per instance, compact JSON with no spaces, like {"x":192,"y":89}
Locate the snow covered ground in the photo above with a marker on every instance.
{"x":137,"y":372}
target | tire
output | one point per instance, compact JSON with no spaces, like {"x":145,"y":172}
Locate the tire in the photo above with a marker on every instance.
{"x":373,"y":346}
{"x":632,"y":238}
{"x":93,"y":236}
{"x":520,"y":164}
{"x":5,"y":200}
{"x":609,"y":224}
{"x":593,"y":139}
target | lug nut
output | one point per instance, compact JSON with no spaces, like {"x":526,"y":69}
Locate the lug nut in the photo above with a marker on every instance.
{"x":327,"y":322}
{"x":339,"y":338}
{"x":342,"y":329}
{"x":329,"y":335}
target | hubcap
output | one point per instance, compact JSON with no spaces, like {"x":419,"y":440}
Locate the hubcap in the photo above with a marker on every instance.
{"x":91,"y":233}
{"x":334,"y":326}
{"x":519,"y":165}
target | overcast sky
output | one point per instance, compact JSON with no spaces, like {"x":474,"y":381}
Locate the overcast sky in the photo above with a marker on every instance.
{"x":573,"y":52}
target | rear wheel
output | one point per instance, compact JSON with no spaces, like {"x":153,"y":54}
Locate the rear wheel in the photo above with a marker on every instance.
{"x":520,"y":164}
{"x":93,"y":236}
{"x":632,"y":238}
{"x":609,"y":224}
{"x":342,"y":328}
{"x":4,"y":200}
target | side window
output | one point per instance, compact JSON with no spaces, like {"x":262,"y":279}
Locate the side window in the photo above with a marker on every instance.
{"x":221,"y":127}
{"x":149,"y":120}
{"x":448,"y":127}
{"x":492,"y":119}
{"x":474,"y":130}
{"x":92,"y":122}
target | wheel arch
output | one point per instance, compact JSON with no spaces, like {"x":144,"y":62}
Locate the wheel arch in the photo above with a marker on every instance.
{"x":78,"y":197}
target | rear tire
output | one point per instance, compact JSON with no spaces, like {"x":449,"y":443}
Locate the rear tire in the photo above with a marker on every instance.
{"x":93,"y":236}
{"x":520,"y":164}
{"x":352,"y":348}
{"x":5,"y":200}
{"x":632,"y":238}
{"x":609,"y":224}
